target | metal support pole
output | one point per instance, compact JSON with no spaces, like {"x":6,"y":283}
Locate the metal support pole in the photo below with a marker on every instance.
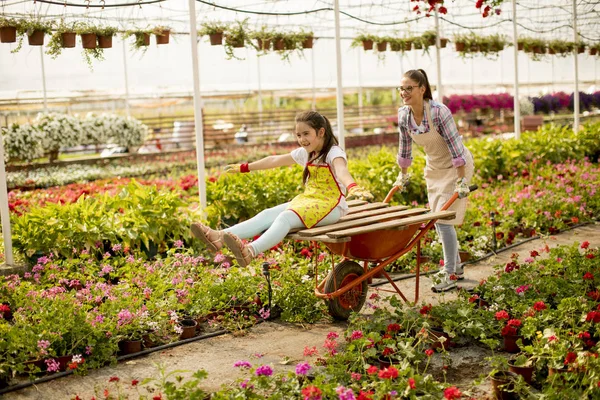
{"x":4,"y":211}
{"x":360,"y":91}
{"x":126,"y":78}
{"x":339,"y":89}
{"x":260,"y":100}
{"x":199,"y":128}
{"x":517,"y":109}
{"x":314,"y":86}
{"x":44,"y":79}
{"x":576,"y":66}
{"x":440,"y":90}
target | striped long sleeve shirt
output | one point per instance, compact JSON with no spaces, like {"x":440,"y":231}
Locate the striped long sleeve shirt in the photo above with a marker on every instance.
{"x":444,"y":124}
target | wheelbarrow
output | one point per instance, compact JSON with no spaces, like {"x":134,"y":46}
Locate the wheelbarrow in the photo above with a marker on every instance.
{"x":374,"y":233}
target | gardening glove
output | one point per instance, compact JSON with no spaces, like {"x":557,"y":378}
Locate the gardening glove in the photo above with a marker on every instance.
{"x":233,"y":168}
{"x":462,"y":188}
{"x":359,"y":193}
{"x":402,"y":181}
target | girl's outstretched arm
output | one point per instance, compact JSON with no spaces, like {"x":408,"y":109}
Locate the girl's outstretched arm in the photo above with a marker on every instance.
{"x":269,"y":162}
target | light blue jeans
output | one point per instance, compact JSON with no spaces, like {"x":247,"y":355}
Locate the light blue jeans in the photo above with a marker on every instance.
{"x":276,"y":222}
{"x":447,"y":235}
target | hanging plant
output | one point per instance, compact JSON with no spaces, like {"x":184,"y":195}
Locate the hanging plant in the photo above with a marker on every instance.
{"x":594,"y":49}
{"x":214,"y":31}
{"x":34,"y":29}
{"x":236,"y":37}
{"x":561,"y":48}
{"x":264,"y":38}
{"x":8,"y":30}
{"x":162,"y":34}
{"x":365,"y":40}
{"x":64,"y":37}
{"x":307,"y":39}
{"x":105,"y":35}
{"x":142,"y":39}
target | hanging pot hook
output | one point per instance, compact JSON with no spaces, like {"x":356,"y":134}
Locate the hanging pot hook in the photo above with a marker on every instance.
{"x":87,"y":4}
{"x":102,"y":1}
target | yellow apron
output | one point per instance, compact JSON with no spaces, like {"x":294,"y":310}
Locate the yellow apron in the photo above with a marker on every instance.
{"x":321,"y":195}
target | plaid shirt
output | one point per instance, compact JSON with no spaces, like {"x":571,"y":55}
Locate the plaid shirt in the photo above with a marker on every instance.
{"x":444,"y":123}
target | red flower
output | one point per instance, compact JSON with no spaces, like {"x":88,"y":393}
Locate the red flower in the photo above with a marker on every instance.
{"x":539,"y":306}
{"x":306,"y":253}
{"x":588,"y":276}
{"x":574,"y":220}
{"x":590,"y":256}
{"x":585,"y":245}
{"x":479,"y":4}
{"x":114,"y":379}
{"x":134,"y":382}
{"x":73,"y":365}
{"x":583,"y":335}
{"x":594,"y":295}
{"x":500,"y":315}
{"x":443,"y":10}
{"x":388,"y":373}
{"x":514,"y":322}
{"x":593,"y":316}
{"x":570,"y":358}
{"x":429,"y":352}
{"x":425,"y":309}
{"x":159,"y":397}
{"x":473,"y":298}
{"x":387,"y":351}
{"x":365,"y":395}
{"x":452,"y":393}
{"x":534,"y":253}
{"x":393,"y":327}
{"x":311,"y":392}
{"x":411,"y":383}
{"x":372,"y":370}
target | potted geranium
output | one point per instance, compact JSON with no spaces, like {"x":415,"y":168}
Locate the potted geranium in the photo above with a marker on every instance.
{"x":22,"y":142}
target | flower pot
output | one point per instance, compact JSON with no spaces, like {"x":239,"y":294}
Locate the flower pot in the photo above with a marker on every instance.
{"x":510,"y":343}
{"x":502,"y":383}
{"x":189,"y":329}
{"x":308,"y":43}
{"x":36,"y":38}
{"x":464,"y":256}
{"x":580,"y":49}
{"x":235,"y":42}
{"x":88,"y":40}
{"x":216,"y":38}
{"x":264,"y":44}
{"x":130,"y":346}
{"x":64,"y":361}
{"x":551,"y":51}
{"x":459,"y":46}
{"x":147,"y":341}
{"x":68,"y":39}
{"x":382,"y":46}
{"x":8,"y":34}
{"x":418,"y":45}
{"x":395,"y":46}
{"x":367,"y":44}
{"x":146,"y":41}
{"x":105,"y":42}
{"x":525,"y":371}
{"x":557,"y":371}
{"x":279,"y":44}
{"x":593,"y":52}
{"x":4,"y":381}
{"x":31,"y":365}
{"x":520,"y":46}
{"x":437,"y":335}
{"x":163,"y":37}
{"x":407,"y":46}
{"x":443,"y":43}
{"x":385,"y":361}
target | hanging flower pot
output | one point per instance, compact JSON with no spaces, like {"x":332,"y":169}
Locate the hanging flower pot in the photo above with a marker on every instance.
{"x":162,"y":37}
{"x":459,"y":46}
{"x":105,"y":42}
{"x":395,"y":46}
{"x":8,"y":34}
{"x":503,"y":383}
{"x":593,"y":52}
{"x":36,"y":38}
{"x":580,"y":49}
{"x":443,"y":43}
{"x":520,"y":46}
{"x":279,"y":44}
{"x":146,"y":39}
{"x":68,"y":39}
{"x":263,"y":44}
{"x":367,"y":44}
{"x":216,"y":38}
{"x":407,"y":45}
{"x":381,"y":46}
{"x":130,"y":346}
{"x":235,"y":42}
{"x":188,"y":327}
{"x":308,"y":43}
{"x":510,"y":343}
{"x":88,"y":40}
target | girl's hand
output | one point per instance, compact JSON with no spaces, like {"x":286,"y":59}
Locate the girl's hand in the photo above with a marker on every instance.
{"x":233,"y":168}
{"x":359,"y":193}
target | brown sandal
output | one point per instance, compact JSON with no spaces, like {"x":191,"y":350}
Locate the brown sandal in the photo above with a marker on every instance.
{"x":211,"y":238}
{"x":242,"y":252}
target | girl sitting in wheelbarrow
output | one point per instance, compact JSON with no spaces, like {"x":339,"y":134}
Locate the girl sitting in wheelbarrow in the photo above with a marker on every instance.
{"x":326,"y":180}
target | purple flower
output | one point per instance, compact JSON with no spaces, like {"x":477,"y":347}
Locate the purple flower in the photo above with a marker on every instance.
{"x":264,"y":370}
{"x":117,"y":247}
{"x":242,"y":364}
{"x":302,"y":368}
{"x":244,"y":385}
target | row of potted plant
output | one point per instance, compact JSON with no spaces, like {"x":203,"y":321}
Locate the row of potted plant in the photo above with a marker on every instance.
{"x":49,"y":132}
{"x":424,"y":41}
{"x":561,"y":101}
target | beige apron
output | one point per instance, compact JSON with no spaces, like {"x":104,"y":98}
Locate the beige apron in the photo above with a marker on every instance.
{"x":321,"y":195}
{"x":440,"y":174}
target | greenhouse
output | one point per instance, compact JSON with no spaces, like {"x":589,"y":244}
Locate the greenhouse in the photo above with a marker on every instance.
{"x":276,"y":199}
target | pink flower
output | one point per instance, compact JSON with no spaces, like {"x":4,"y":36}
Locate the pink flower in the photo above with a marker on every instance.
{"x":312,"y":393}
{"x":264,"y":370}
{"x":356,"y":335}
{"x":52,"y":365}
{"x":332,"y":335}
{"x":310,"y":351}
{"x":242,"y":364}
{"x":355,"y":376}
{"x":302,"y":368}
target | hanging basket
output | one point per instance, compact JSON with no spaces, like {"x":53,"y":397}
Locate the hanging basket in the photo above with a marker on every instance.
{"x":520,"y":46}
{"x":216,"y":38}
{"x":407,"y":46}
{"x":68,"y":39}
{"x":395,"y":46}
{"x":105,"y":42}
{"x":88,"y":40}
{"x":36,"y":38}
{"x":593,"y":52}
{"x":308,"y":43}
{"x":8,"y":34}
{"x":162,"y":37}
{"x":263,"y":44}
{"x":381,"y":46}
{"x":443,"y":43}
{"x":367,"y":44}
{"x":279,"y":44}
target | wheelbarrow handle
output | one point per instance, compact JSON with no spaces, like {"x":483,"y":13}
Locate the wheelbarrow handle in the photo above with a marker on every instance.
{"x":394,"y":189}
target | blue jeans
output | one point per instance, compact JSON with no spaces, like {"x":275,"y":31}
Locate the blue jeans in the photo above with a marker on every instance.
{"x":276,"y":222}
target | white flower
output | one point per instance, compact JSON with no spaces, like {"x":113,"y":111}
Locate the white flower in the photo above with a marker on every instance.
{"x":22,"y":142}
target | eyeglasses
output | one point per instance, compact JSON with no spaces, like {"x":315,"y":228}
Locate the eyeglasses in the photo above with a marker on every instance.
{"x":406,"y":89}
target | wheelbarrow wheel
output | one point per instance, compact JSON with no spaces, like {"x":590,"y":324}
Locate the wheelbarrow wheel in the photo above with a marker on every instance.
{"x":343,"y":273}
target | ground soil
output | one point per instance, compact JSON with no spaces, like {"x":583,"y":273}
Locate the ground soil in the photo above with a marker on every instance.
{"x":281,"y":344}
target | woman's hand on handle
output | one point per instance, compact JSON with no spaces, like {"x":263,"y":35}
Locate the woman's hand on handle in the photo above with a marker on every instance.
{"x":402,"y":181}
{"x":462,"y":188}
